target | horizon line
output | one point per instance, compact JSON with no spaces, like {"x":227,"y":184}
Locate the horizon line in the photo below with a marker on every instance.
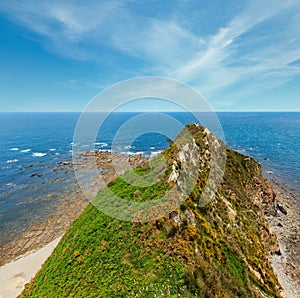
{"x":162,"y":111}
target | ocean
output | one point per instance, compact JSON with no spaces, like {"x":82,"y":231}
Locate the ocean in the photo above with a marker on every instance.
{"x":32,"y":145}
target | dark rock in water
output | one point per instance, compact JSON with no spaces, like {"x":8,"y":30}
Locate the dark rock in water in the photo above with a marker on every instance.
{"x":281,"y":208}
{"x":64,"y":163}
{"x":265,"y":158}
{"x":29,"y":166}
{"x":37,"y":175}
{"x":57,"y":180}
{"x":58,"y":169}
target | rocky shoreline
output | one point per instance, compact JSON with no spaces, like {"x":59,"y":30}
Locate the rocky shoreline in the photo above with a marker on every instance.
{"x":71,"y":205}
{"x":283,"y":217}
{"x":284,"y":221}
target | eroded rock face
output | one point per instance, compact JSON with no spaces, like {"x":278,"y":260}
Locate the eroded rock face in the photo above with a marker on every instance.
{"x":281,"y":208}
{"x":174,"y":174}
{"x":260,"y":191}
{"x":280,"y":233}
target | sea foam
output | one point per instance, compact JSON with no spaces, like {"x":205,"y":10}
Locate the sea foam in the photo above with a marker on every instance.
{"x":12,"y":160}
{"x":101,"y":144}
{"x":154,"y":153}
{"x":38,"y":154}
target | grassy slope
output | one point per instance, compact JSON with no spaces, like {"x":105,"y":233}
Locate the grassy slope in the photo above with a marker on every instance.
{"x":220,"y":253}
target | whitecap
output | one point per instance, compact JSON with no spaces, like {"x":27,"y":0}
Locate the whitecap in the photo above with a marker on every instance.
{"x":128,"y":153}
{"x":105,"y":150}
{"x":101,"y":144}
{"x":152,"y":148}
{"x":14,"y":149}
{"x":12,"y":160}
{"x":25,"y":150}
{"x":154,"y":153}
{"x":38,"y":154}
{"x":137,"y":153}
{"x":53,"y":149}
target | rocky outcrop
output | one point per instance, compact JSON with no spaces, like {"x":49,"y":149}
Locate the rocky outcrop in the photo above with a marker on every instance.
{"x":215,"y":243}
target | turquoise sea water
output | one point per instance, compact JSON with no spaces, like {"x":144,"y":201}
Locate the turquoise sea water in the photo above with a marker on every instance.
{"x":32,"y":143}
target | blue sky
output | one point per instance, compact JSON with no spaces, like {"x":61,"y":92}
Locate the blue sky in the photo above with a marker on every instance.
{"x":240,"y":55}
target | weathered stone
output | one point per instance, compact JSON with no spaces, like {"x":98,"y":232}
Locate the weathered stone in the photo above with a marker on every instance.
{"x":281,"y":208}
{"x":64,"y":163}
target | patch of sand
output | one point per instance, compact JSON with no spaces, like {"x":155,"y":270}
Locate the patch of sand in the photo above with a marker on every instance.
{"x":14,"y":275}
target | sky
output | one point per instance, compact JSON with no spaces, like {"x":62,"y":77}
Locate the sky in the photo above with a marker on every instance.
{"x":239,"y":55}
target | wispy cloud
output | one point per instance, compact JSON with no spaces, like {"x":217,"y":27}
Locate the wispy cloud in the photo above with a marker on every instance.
{"x":69,"y":28}
{"x":225,"y":61}
{"x":59,"y":18}
{"x":260,"y":45}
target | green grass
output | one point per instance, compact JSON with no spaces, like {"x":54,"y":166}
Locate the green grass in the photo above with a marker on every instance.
{"x":109,"y":264}
{"x":100,"y":256}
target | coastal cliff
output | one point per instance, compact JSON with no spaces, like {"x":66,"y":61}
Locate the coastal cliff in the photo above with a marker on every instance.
{"x":209,"y":246}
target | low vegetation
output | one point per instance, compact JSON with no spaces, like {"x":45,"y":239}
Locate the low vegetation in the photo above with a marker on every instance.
{"x":219,"y":250}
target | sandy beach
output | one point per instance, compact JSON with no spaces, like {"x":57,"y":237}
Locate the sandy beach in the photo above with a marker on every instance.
{"x":15,"y":275}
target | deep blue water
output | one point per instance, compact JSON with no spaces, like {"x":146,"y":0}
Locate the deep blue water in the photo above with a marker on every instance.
{"x":32,"y":143}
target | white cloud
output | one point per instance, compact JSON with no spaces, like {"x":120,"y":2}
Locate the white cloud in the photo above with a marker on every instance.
{"x":240,"y":51}
{"x":217,"y":61}
{"x":70,"y":27}
{"x":68,"y":19}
